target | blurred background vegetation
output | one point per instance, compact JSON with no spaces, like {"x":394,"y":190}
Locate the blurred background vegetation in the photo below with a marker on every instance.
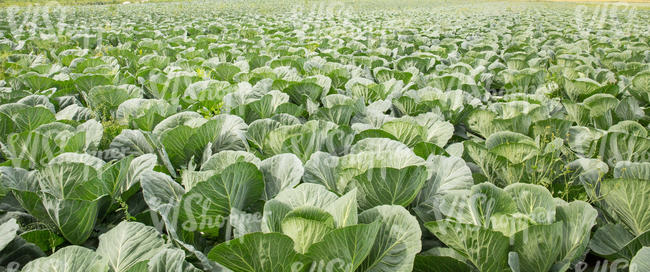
{"x":71,"y":2}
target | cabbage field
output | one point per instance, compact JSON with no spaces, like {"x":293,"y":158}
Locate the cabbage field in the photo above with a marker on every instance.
{"x":329,"y":136}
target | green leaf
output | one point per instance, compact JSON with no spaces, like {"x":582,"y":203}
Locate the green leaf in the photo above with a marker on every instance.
{"x":424,"y":150}
{"x":75,"y":113}
{"x":537,"y":246}
{"x":45,"y":239}
{"x":406,"y":132}
{"x":632,"y":170}
{"x":438,"y":132}
{"x":280,"y":172}
{"x":70,"y":258}
{"x":306,"y":226}
{"x":629,"y":200}
{"x":578,"y":218}
{"x":609,"y":239}
{"x":373,"y":133}
{"x":513,"y":146}
{"x":322,"y":168}
{"x":128,"y":244}
{"x":162,"y":194}
{"x":274,"y":212}
{"x":8,"y":232}
{"x":122,"y":175}
{"x":618,"y":146}
{"x":439,"y":264}
{"x":639,"y":87}
{"x":257,"y":252}
{"x":629,"y":250}
{"x":25,"y":189}
{"x":345,"y":249}
{"x":258,"y":130}
{"x":144,"y":114}
{"x":384,"y":186}
{"x":447,"y":174}
{"x":160,"y":191}
{"x":224,"y":71}
{"x":307,"y":194}
{"x":533,"y":200}
{"x":74,"y":218}
{"x":218,"y":162}
{"x":440,"y":259}
{"x":487,"y":200}
{"x":344,"y":209}
{"x":509,"y":224}
{"x":641,"y":261}
{"x":36,"y":81}
{"x":629,"y":127}
{"x":223,"y":132}
{"x":480,"y":120}
{"x":132,"y":142}
{"x":580,"y":88}
{"x":68,"y":174}
{"x":174,"y":142}
{"x":486,"y":249}
{"x":109,"y":97}
{"x":211,"y":201}
{"x":32,"y":117}
{"x":170,"y":260}
{"x":339,"y":114}
{"x":303,"y":91}
{"x":489,"y":163}
{"x":397,"y":242}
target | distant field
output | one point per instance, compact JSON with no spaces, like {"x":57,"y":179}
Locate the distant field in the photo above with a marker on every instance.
{"x":324,"y":135}
{"x":599,"y":1}
{"x":107,"y":2}
{"x":629,"y":1}
{"x":70,"y":2}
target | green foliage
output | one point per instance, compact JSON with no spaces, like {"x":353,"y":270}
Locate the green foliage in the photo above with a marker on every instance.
{"x":324,"y":136}
{"x":111,"y":130}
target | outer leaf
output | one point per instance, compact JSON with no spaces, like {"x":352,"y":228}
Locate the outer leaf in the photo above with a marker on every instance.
{"x":632,"y":170}
{"x":578,"y":218}
{"x":641,"y":261}
{"x":128,"y":244}
{"x":237,"y":187}
{"x":447,"y":173}
{"x":70,"y":258}
{"x":609,"y":239}
{"x":629,"y":199}
{"x":344,"y":209}
{"x":8,"y":232}
{"x":131,"y":142}
{"x":537,"y":246}
{"x":280,"y":172}
{"x":397,"y":242}
{"x":487,"y":200}
{"x":306,"y":226}
{"x":344,"y":249}
{"x":424,"y":263}
{"x":257,"y":252}
{"x":45,"y":239}
{"x":218,"y":162}
{"x":74,"y":218}
{"x":384,"y":186}
{"x":533,"y":200}
{"x":170,"y":260}
{"x":486,"y":249}
{"x":631,"y":248}
{"x":442,"y":259}
{"x":321,"y":168}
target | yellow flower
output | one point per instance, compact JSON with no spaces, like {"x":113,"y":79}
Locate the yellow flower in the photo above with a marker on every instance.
{"x":200,"y":72}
